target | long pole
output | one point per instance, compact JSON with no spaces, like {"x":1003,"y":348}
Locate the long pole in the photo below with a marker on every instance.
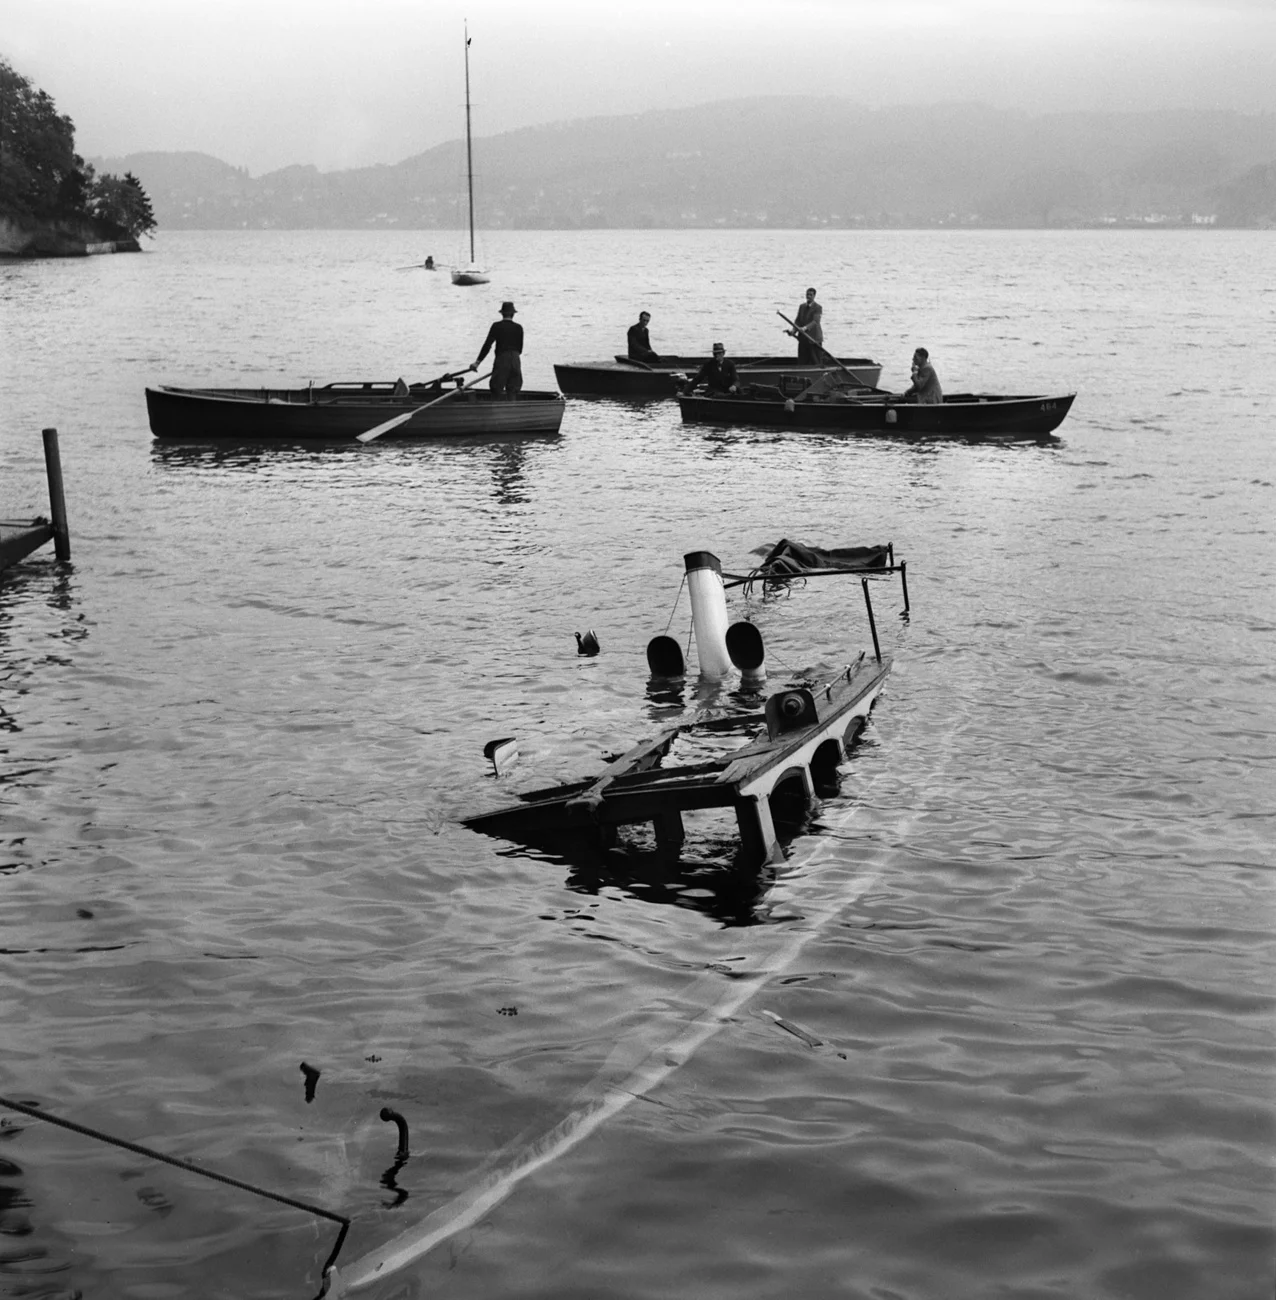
{"x":469,"y":152}
{"x":57,"y":497}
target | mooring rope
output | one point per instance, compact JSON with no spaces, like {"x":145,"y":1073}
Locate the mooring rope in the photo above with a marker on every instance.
{"x":676,"y":599}
{"x":36,"y":1113}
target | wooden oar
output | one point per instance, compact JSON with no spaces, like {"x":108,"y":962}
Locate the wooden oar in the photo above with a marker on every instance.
{"x":402,"y":419}
{"x":801,"y":329}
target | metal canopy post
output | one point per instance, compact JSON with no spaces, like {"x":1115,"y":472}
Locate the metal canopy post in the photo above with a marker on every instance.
{"x":872,"y":624}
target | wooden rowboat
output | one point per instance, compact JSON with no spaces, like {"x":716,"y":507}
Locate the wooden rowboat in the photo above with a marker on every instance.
{"x":625,"y":378}
{"x":963,"y":415}
{"x":345,"y":410}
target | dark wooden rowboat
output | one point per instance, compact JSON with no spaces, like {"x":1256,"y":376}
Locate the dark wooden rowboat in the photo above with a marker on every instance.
{"x":622,"y":377}
{"x":962,"y":415}
{"x":344,"y":410}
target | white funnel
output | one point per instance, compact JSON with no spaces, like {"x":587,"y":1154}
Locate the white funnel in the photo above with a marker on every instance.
{"x":708,"y":612}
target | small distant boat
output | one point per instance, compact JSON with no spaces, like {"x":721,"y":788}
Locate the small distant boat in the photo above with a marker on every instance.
{"x":625,"y":377}
{"x":345,"y":410}
{"x":471,"y":273}
{"x":962,"y":415}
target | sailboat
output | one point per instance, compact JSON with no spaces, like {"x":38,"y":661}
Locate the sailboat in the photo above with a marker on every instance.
{"x":472,"y":273}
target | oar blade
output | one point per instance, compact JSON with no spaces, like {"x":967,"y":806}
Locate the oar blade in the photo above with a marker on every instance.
{"x":369,"y":434}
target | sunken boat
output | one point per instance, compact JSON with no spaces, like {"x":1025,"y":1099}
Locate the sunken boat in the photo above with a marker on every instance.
{"x":765,"y":761}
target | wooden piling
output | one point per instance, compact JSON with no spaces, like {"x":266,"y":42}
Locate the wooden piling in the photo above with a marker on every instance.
{"x":57,"y":501}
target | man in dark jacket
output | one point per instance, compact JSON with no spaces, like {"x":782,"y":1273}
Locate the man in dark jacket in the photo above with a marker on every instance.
{"x":809,"y":331}
{"x":925,"y":387}
{"x":640,"y":341}
{"x":717,"y":374}
{"x":507,"y":366}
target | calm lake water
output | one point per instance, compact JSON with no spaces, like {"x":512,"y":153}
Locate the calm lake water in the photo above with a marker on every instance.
{"x":1029,"y":947}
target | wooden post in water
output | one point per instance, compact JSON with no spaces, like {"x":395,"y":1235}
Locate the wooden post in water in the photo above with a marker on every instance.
{"x":57,"y":502}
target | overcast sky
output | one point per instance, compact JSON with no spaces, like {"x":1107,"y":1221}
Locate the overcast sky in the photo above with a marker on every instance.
{"x":342,"y":83}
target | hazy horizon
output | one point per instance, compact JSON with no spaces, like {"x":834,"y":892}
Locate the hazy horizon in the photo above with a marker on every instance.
{"x":277,"y":82}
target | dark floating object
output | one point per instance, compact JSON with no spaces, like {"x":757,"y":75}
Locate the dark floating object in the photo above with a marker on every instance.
{"x":664,"y":657}
{"x":312,"y":1078}
{"x":587,"y":644}
{"x":501,"y":753}
{"x":744,"y":645}
{"x":393,"y":1116}
{"x":400,"y":1158}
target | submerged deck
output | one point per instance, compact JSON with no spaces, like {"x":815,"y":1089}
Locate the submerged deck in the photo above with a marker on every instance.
{"x":798,"y":741}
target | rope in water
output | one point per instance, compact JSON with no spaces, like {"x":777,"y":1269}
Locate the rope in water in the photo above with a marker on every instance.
{"x":36,"y":1113}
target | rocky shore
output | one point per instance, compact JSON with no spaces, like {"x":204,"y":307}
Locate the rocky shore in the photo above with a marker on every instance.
{"x":69,"y":238}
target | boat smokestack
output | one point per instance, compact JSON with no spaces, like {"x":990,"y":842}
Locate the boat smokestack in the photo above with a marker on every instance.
{"x":708,"y":612}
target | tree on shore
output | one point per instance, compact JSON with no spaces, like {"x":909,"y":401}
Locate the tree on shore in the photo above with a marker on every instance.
{"x":42,"y":178}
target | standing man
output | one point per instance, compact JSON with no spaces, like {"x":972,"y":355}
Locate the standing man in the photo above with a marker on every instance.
{"x":507,"y":366}
{"x":808,"y":319}
{"x":925,"y":389}
{"x":639,"y":341}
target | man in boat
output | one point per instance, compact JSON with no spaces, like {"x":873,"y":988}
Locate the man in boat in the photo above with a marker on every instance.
{"x":717,"y":374}
{"x":809,"y":332}
{"x":506,"y":336}
{"x":925,"y":389}
{"x":640,"y":341}
{"x":429,"y":263}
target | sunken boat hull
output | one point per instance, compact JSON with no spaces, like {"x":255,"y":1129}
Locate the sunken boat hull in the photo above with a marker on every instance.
{"x":799,"y":741}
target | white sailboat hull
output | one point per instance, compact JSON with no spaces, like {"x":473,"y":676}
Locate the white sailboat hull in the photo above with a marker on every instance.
{"x":469,"y":275}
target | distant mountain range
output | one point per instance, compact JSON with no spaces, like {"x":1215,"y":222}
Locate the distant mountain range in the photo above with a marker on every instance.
{"x":768,"y":162}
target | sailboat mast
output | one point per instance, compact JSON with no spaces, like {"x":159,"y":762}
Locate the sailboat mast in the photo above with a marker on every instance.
{"x":469,"y":149}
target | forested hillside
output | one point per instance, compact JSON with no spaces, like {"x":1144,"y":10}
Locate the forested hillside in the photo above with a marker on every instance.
{"x":782,"y":162}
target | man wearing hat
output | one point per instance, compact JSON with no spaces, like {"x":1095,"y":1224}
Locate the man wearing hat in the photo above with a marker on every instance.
{"x":507,"y":366}
{"x":717,"y":374}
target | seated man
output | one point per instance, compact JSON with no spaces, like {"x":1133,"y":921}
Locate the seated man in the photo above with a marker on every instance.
{"x":925,"y":388}
{"x":717,"y":374}
{"x":640,"y":341}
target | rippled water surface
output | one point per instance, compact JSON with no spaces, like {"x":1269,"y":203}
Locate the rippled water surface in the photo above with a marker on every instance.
{"x":1028,"y":947}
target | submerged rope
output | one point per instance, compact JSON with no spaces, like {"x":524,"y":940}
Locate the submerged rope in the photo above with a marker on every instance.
{"x":36,"y":1113}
